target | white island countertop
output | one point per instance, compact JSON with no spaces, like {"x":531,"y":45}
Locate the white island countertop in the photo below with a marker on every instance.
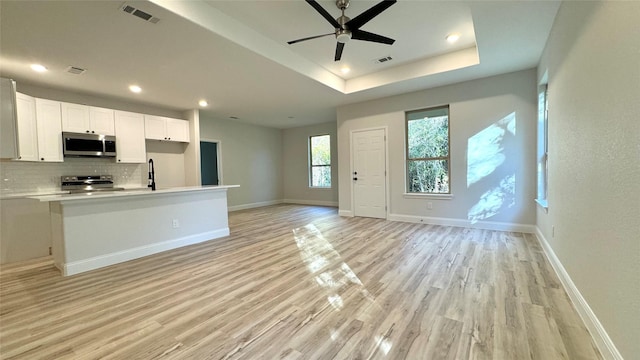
{"x":127,"y":193}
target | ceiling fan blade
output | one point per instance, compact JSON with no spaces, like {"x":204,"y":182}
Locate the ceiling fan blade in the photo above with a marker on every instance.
{"x":339,"y":48}
{"x":308,"y":38}
{"x":324,"y":13}
{"x":367,"y":36}
{"x":375,"y":10}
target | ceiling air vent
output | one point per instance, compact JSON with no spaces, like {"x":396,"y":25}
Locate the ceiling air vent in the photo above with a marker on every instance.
{"x":139,"y":13}
{"x":383,"y":59}
{"x":75,"y":70}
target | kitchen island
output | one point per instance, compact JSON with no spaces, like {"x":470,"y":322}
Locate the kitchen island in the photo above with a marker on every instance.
{"x":90,"y":231}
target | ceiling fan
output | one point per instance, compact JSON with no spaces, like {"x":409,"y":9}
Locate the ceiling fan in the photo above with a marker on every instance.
{"x":346,"y":28}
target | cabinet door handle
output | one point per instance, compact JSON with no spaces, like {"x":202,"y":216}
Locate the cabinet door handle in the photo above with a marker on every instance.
{"x":87,"y":131}
{"x":93,"y":132}
{"x":355,"y":178}
{"x":42,"y":159}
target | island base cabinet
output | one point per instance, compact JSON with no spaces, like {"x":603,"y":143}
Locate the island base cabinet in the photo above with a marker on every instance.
{"x":25,"y":230}
{"x":90,"y":234}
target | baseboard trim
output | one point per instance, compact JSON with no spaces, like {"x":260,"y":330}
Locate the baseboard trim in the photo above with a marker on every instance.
{"x":311,"y":202}
{"x":254,"y":205}
{"x":96,"y":262}
{"x":347,"y":213}
{"x":598,"y":333}
{"x":486,"y":225}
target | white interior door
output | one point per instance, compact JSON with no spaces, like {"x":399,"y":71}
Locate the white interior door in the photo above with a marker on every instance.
{"x":368,"y":176}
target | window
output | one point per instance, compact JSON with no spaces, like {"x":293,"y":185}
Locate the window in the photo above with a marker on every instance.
{"x":320,"y":161}
{"x":543,"y":145}
{"x":427,"y":154}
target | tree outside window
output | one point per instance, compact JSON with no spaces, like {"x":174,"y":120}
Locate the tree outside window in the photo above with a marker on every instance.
{"x":427,"y":153}
{"x":320,"y":161}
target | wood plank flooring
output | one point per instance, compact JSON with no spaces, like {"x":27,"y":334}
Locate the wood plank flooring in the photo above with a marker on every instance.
{"x":300,"y":282}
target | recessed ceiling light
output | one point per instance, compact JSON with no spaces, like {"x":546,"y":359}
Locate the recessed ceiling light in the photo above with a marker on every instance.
{"x":345,"y":70}
{"x":135,"y":88}
{"x":38,"y":68}
{"x":453,"y":38}
{"x":203,"y":103}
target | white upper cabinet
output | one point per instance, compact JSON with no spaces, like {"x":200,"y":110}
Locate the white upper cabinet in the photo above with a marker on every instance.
{"x":75,"y":118}
{"x":49,"y":125}
{"x":27,"y":129}
{"x":101,"y":121}
{"x":87,"y":119}
{"x":154,"y":127}
{"x":167,"y":129}
{"x":178,"y":130}
{"x":130,"y":145}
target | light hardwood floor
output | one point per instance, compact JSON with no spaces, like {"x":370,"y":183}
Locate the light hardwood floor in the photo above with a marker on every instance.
{"x":300,"y":282}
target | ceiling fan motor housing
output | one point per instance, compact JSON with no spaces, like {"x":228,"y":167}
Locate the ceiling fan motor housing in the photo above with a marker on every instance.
{"x":342,"y":4}
{"x":343,"y":34}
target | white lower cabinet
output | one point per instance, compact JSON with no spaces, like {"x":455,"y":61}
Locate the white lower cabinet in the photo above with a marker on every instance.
{"x":130,"y":141}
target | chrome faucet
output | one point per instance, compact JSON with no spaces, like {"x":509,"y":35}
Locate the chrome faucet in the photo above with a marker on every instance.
{"x":152,"y":176}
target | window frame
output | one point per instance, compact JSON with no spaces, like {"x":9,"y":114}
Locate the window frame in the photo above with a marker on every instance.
{"x":542,"y":172}
{"x":311,"y":166}
{"x":409,"y":193}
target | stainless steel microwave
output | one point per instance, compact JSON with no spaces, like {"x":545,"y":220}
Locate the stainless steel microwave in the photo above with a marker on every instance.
{"x":77,"y":144}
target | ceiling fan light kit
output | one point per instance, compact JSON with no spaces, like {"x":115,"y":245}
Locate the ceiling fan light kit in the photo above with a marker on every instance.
{"x":346,"y":28}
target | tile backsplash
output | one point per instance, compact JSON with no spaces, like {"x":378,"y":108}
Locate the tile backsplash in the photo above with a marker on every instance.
{"x":25,"y":177}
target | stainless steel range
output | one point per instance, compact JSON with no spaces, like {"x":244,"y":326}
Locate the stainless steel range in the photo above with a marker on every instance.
{"x":87,"y":183}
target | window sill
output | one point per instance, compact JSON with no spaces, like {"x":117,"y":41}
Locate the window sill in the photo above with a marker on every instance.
{"x":543,"y":204}
{"x":428,"y":196}
{"x":319,"y":188}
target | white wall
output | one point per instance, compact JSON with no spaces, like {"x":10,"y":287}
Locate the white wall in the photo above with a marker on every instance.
{"x":123,"y":104}
{"x":251,"y":158}
{"x":593,"y":63}
{"x":495,"y":115}
{"x":168,"y":162}
{"x":295,"y":142}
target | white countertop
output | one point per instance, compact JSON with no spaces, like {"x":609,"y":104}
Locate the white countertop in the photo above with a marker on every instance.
{"x":128,"y":192}
{"x":21,"y":195}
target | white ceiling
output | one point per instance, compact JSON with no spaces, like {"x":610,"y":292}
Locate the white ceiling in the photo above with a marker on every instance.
{"x":235,"y":55}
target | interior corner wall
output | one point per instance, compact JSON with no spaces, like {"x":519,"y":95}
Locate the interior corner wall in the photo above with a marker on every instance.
{"x":192,"y":150}
{"x":296,"y":165}
{"x":592,"y":59}
{"x":492,"y":149}
{"x":251,"y":158}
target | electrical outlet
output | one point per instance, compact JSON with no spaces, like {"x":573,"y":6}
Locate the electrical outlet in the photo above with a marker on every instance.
{"x":176,"y":223}
{"x":430,"y":205}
